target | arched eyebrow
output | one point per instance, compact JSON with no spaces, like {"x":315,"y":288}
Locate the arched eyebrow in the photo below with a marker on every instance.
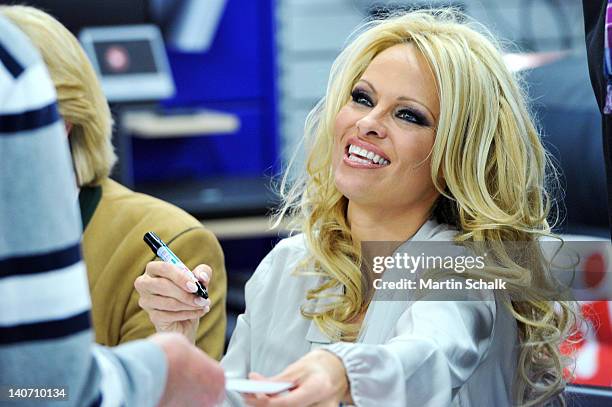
{"x":403,"y":98}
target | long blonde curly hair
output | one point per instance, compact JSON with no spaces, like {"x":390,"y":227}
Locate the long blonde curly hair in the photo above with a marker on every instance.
{"x":487,"y":162}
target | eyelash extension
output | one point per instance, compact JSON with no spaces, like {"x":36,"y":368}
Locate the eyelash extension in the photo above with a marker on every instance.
{"x":419,"y":119}
{"x":358,"y":94}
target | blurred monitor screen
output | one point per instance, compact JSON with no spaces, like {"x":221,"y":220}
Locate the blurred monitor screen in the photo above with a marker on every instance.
{"x":125,"y":57}
{"x":131,"y":62}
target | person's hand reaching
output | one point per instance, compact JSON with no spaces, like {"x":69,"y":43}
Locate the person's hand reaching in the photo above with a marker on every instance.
{"x":319,"y":380}
{"x":193,"y":378}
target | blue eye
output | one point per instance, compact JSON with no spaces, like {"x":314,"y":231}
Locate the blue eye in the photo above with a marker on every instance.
{"x":410,"y":116}
{"x":362,"y":98}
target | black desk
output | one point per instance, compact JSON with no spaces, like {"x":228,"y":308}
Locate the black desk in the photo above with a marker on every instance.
{"x":226,"y":197}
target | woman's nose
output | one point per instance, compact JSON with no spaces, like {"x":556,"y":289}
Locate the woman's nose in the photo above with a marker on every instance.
{"x":371,"y":125}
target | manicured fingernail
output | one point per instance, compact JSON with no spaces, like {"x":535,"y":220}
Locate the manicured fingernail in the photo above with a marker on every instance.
{"x":192,"y":287}
{"x":206,"y":309}
{"x":204,"y":276}
{"x":201,"y":301}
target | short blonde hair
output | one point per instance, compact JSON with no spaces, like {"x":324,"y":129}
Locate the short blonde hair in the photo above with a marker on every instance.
{"x":80,"y":97}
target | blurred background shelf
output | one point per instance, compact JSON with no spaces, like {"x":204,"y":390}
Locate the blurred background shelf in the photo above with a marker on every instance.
{"x":151,"y":124}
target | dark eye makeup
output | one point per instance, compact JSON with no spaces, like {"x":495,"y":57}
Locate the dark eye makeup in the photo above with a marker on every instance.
{"x":412,"y":116}
{"x":361,"y":97}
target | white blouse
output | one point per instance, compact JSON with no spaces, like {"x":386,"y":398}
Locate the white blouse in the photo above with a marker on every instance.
{"x":424,"y":353}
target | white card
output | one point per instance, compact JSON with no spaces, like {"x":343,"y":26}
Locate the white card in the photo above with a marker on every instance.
{"x":256,"y":386}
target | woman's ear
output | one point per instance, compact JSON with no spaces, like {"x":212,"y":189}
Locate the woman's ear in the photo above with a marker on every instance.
{"x":68,"y":127}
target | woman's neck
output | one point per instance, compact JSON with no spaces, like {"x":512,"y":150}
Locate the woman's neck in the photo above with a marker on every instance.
{"x":385,"y":224}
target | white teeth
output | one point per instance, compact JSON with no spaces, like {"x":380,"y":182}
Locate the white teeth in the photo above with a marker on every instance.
{"x":357,"y":159}
{"x":355,"y":151}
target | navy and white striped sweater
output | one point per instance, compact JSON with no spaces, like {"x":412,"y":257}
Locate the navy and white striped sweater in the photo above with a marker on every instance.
{"x":45,"y":330}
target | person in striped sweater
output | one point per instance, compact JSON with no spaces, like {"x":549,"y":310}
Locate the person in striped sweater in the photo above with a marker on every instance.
{"x":45,"y":325}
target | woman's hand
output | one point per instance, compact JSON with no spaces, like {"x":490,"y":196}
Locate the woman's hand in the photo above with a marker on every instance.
{"x":319,"y":378}
{"x":167,"y":295}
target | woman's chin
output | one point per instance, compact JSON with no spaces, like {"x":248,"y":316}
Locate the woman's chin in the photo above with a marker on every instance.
{"x":359,"y":191}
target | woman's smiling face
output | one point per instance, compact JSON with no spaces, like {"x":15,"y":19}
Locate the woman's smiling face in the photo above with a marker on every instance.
{"x":385,"y":133}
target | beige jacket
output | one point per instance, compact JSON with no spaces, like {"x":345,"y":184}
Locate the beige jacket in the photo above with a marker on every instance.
{"x":116,"y":255}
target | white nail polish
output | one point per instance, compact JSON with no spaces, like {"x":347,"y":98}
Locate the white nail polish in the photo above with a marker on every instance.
{"x":191,"y":286}
{"x":204,"y":277}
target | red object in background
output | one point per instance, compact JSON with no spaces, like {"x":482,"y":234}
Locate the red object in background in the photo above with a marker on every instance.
{"x":594,"y":270}
{"x":594,"y":346}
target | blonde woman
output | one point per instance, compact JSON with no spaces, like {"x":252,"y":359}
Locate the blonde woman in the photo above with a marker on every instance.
{"x":423,"y":135}
{"x":116,"y":218}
